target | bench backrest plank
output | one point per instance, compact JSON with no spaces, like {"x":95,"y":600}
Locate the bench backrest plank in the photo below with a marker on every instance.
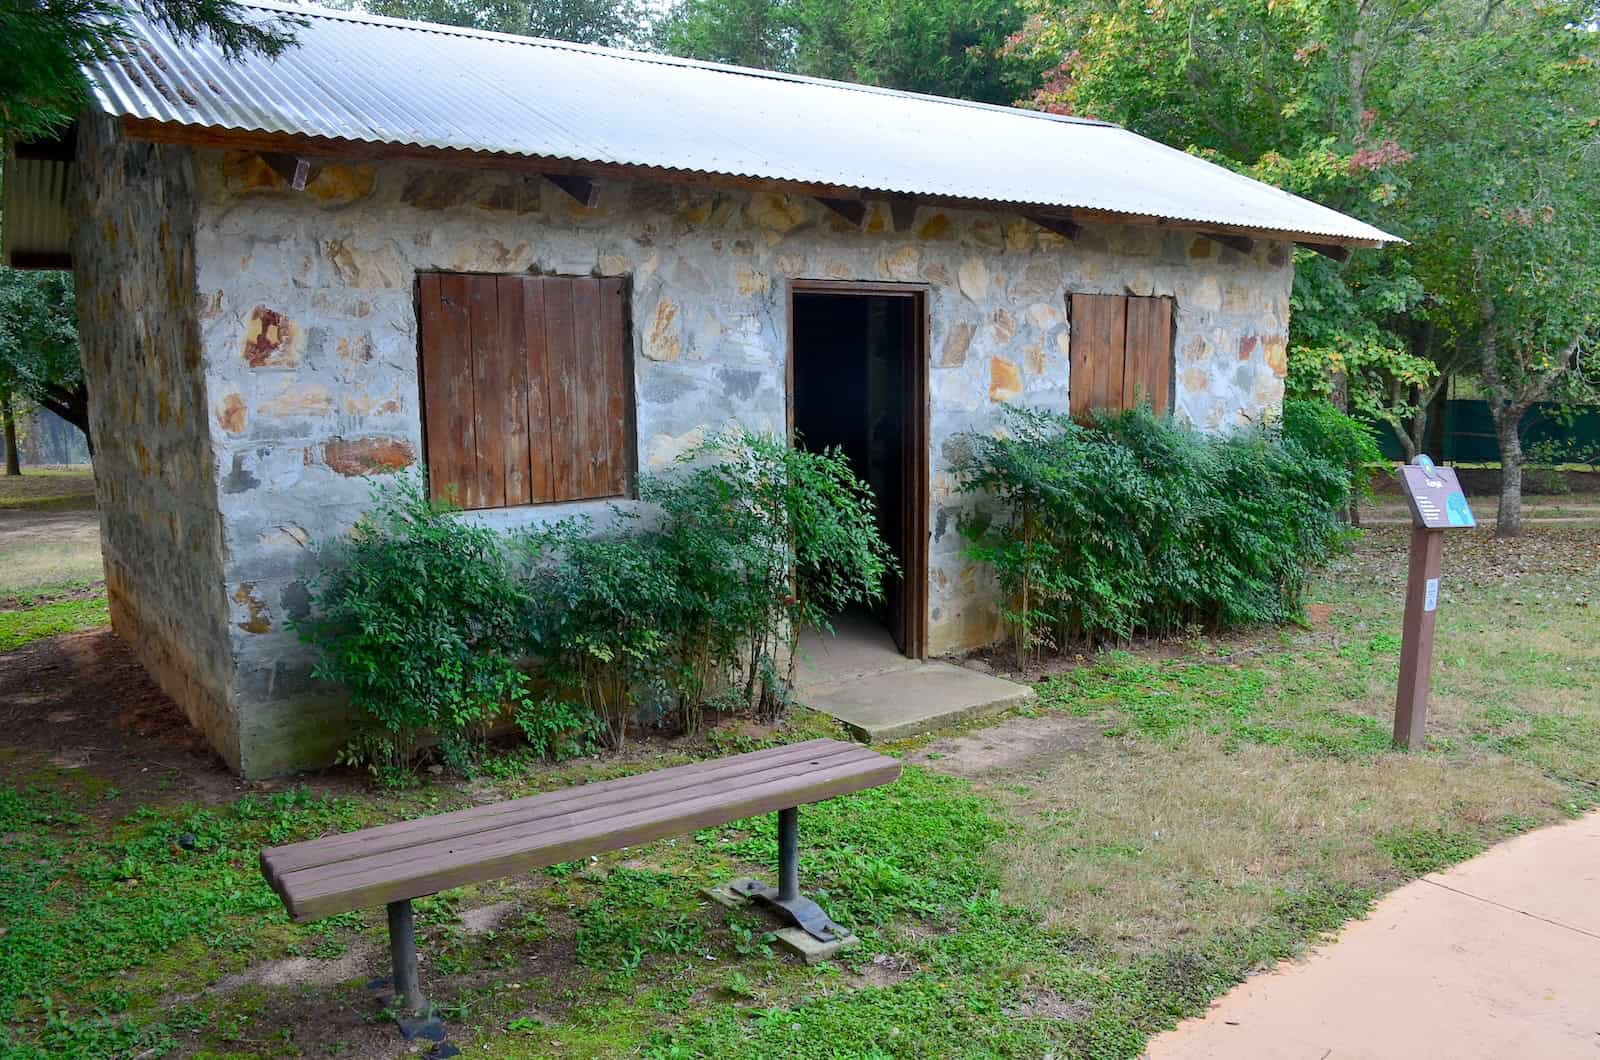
{"x":411,"y":859}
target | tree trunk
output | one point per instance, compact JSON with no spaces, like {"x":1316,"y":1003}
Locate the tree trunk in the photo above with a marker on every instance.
{"x":1508,"y":521}
{"x":9,"y":417}
{"x":72,"y":405}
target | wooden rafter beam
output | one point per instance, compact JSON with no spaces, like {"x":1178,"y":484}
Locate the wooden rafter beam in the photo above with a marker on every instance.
{"x":854,"y":211}
{"x":1064,"y":227}
{"x":584,"y":192}
{"x":61,"y":148}
{"x":903,"y":212}
{"x":1243,"y":244}
{"x":40,"y":259}
{"x":294,"y":169}
{"x":1338,"y":253}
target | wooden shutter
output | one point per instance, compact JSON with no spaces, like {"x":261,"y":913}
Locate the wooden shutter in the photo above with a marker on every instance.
{"x":1147,"y":374}
{"x":1099,"y":327}
{"x":1121,"y":352}
{"x":525,"y":388}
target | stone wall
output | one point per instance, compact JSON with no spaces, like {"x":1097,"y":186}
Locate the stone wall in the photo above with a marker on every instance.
{"x":308,"y":323}
{"x":160,"y":530}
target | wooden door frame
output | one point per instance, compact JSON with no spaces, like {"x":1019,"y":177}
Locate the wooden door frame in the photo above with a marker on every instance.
{"x":915,"y":435}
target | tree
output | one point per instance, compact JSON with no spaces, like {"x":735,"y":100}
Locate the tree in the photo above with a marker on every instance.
{"x":1466,"y":125}
{"x":45,"y":43}
{"x":39,"y":351}
{"x":943,"y":47}
{"x":613,"y":23}
{"x":1506,"y":229}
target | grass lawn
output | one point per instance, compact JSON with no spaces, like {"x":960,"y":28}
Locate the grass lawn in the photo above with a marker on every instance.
{"x":55,"y":488}
{"x":1164,"y":822}
{"x":50,"y":582}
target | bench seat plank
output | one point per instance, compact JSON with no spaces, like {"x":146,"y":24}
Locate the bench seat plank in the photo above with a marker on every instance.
{"x":295,"y":857}
{"x":409,"y":859}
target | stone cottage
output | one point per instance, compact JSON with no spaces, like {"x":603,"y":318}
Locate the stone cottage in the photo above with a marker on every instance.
{"x":540,"y":269}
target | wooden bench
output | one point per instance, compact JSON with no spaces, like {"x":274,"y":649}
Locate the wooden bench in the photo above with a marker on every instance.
{"x":395,"y":863}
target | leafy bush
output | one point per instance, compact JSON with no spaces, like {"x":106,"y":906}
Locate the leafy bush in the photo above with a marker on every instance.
{"x":768,"y":540}
{"x":1135,"y":523}
{"x":436,"y":628}
{"x":1319,"y":428}
{"x":598,"y":625}
{"x":417,"y":616}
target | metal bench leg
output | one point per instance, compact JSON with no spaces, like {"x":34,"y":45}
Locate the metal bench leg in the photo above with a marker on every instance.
{"x":789,"y":854}
{"x":785,"y":899}
{"x":416,"y":1019}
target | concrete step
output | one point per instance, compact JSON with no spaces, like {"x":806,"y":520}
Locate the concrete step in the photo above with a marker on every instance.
{"x":899,"y":703}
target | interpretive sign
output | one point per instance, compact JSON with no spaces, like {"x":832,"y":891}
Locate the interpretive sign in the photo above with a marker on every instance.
{"x":1435,"y":496}
{"x":1437,"y":505}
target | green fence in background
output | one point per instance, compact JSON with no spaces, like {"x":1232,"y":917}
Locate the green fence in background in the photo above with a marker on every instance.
{"x":1464,"y":434}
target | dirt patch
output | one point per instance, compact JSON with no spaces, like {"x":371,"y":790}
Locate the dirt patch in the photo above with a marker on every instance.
{"x":1019,"y":744}
{"x":485,"y":918}
{"x":359,"y":961}
{"x":1048,"y":1005}
{"x":83,"y":702}
{"x":885,"y":969}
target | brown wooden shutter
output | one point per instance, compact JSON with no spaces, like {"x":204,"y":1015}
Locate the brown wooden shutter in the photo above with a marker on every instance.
{"x":525,"y":388}
{"x":1121,"y":352}
{"x":1148,"y":357}
{"x":1099,"y":327}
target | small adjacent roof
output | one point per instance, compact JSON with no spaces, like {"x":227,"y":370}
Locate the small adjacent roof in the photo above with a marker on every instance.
{"x":363,"y":79}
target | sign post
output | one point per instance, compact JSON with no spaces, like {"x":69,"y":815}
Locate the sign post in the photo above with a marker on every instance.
{"x":1437,"y":504}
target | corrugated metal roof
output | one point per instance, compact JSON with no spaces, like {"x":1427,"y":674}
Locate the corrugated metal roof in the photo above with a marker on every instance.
{"x":34,"y":219}
{"x":367,"y":79}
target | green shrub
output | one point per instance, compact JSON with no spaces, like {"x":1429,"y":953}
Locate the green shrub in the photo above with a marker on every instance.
{"x":1135,"y":523}
{"x":797,"y":536}
{"x":601,"y":608}
{"x":1320,"y":429}
{"x":417,"y":615}
{"x":435,"y":632}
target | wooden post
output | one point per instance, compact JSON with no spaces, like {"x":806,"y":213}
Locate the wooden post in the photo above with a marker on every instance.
{"x":1416,"y":644}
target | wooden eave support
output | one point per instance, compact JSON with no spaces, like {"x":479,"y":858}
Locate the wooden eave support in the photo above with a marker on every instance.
{"x":584,"y":192}
{"x":1064,"y":227}
{"x":1338,"y":253}
{"x":60,"y":148}
{"x":853,"y":211}
{"x":41,"y":260}
{"x":903,"y":212}
{"x":1243,"y":244}
{"x":294,"y":169}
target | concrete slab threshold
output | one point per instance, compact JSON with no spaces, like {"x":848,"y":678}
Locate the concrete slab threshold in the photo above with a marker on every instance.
{"x":858,"y":676}
{"x":899,"y":703}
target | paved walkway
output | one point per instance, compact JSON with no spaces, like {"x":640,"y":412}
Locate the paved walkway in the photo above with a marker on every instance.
{"x":1497,"y":957}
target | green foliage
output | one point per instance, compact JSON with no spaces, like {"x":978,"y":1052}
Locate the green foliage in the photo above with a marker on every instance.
{"x":43,"y":44}
{"x":417,"y":617}
{"x":945,"y":47}
{"x":31,"y":623}
{"x":1135,"y":523}
{"x":1422,"y":852}
{"x":598,"y":623}
{"x":1343,"y":441}
{"x":1470,"y":127}
{"x":766,"y":540}
{"x":614,"y":23}
{"x":436,"y":628}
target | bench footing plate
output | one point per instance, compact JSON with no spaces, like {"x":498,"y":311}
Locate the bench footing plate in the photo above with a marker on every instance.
{"x":799,"y":911}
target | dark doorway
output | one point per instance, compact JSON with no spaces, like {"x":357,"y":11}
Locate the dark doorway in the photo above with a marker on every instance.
{"x":858,"y":380}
